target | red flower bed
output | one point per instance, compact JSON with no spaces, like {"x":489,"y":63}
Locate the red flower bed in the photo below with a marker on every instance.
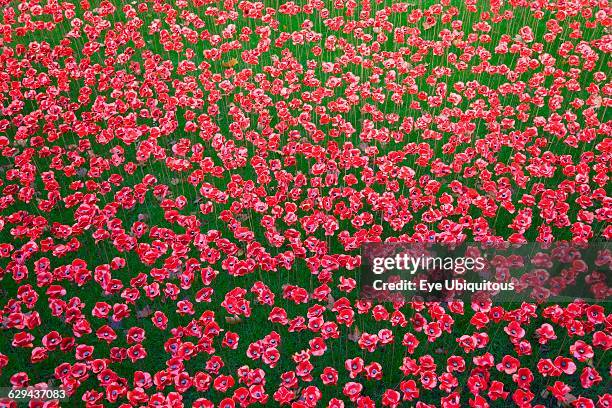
{"x":186,"y":186}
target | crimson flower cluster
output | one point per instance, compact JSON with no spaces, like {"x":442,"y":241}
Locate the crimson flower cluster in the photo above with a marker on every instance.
{"x":186,"y":186}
